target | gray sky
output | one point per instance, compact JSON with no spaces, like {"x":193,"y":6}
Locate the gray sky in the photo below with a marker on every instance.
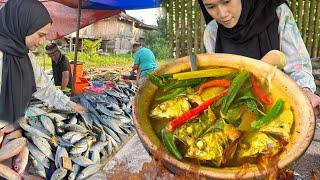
{"x":149,"y":16}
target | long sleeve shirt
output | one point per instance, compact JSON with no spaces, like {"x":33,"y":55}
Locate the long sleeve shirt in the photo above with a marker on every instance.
{"x":46,"y":91}
{"x":298,"y":66}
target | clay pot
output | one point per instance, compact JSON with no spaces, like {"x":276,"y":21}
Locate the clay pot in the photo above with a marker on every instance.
{"x":302,"y":130}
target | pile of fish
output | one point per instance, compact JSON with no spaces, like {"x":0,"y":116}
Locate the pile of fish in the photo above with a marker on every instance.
{"x":55,"y":136}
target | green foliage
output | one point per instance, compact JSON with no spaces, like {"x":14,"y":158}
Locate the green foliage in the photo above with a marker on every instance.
{"x":157,"y":40}
{"x":101,"y":61}
{"x":91,"y":47}
{"x":90,"y":50}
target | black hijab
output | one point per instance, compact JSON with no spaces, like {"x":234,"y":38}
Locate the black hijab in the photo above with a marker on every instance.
{"x":256,"y":32}
{"x":18,"y":19}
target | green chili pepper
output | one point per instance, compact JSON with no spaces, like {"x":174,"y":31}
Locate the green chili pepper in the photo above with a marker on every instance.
{"x":175,"y":93}
{"x":167,"y":76}
{"x":168,"y":141}
{"x":155,"y":80}
{"x":271,"y":115}
{"x":185,"y":83}
{"x":236,"y":84}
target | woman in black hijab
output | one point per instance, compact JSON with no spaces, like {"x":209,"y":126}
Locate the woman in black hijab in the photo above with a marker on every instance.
{"x":23,"y":26}
{"x":254,"y":27}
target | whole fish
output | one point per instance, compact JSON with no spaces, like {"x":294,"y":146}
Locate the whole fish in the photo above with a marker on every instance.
{"x":38,"y":155}
{"x":34,"y":122}
{"x":73,"y":137}
{"x":88,"y":171}
{"x":95,"y":119}
{"x":20,"y":161}
{"x":67,"y":136}
{"x":43,"y":145}
{"x":82,"y":161}
{"x":48,"y":124}
{"x":111,"y":133}
{"x":74,"y":172}
{"x":39,"y":168}
{"x":33,"y":131}
{"x":75,"y":127}
{"x":111,"y":124}
{"x":58,"y":117}
{"x":116,"y":109}
{"x":59,"y":174}
{"x":12,"y":148}
{"x":105,"y":111}
{"x":82,"y":145}
{"x":61,"y":152}
{"x":34,"y":111}
{"x":112,"y":93}
{"x":86,"y":104}
{"x":113,"y":142}
{"x":112,"y":100}
{"x":63,"y":143}
{"x":98,"y":146}
{"x":124,"y":119}
{"x":8,"y":173}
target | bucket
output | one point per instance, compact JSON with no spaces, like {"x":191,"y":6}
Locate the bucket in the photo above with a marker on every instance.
{"x":79,"y":66}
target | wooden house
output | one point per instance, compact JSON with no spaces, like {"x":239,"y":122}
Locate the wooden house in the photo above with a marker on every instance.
{"x":118,"y":33}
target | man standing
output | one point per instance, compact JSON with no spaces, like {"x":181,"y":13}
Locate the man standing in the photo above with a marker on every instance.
{"x":144,"y":61}
{"x":60,"y":67}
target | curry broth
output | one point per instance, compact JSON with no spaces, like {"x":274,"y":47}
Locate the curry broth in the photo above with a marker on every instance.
{"x":231,"y":147}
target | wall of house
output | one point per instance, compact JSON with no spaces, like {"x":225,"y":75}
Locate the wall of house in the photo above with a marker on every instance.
{"x":118,"y":35}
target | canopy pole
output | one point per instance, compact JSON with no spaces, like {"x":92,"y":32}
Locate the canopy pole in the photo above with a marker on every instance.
{"x":76,"y":48}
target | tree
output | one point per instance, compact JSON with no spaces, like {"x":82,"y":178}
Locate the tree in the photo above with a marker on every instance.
{"x":157,"y":40}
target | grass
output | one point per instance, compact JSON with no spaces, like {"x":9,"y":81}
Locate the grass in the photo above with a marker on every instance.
{"x":94,"y":62}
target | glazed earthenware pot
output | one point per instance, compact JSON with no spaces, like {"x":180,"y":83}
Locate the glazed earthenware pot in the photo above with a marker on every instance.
{"x":302,"y":129}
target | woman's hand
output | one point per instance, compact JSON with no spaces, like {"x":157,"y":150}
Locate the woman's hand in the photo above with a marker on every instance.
{"x":315,"y":101}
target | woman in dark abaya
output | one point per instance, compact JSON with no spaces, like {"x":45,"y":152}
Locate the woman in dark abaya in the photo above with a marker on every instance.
{"x":254,"y":27}
{"x":23,"y":26}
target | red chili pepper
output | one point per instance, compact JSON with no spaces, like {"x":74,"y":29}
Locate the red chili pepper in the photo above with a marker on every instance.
{"x":258,"y":91}
{"x":214,"y":83}
{"x":187,"y":116}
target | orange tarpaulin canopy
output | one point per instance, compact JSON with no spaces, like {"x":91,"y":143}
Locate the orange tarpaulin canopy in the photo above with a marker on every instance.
{"x":65,"y":18}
